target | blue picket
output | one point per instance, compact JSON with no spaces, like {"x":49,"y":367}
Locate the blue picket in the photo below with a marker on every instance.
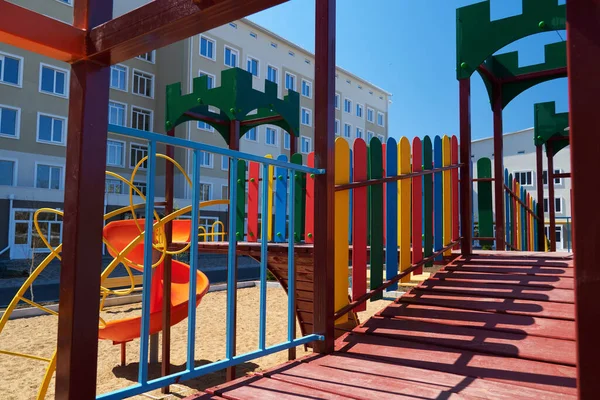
{"x":438,"y":217}
{"x":281,"y":179}
{"x":391,"y":204}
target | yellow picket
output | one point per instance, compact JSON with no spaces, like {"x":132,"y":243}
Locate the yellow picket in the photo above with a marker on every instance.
{"x":270,"y":201}
{"x":342,"y":212}
{"x":404,"y":198}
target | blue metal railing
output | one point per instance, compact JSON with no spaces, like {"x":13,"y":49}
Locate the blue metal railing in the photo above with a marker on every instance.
{"x":143,"y":384}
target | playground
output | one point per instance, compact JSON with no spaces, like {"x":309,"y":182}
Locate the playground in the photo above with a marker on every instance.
{"x":338,"y":229}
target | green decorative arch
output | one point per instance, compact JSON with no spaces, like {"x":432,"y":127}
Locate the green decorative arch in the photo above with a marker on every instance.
{"x":477,"y":38}
{"x":235,"y":99}
{"x":550,"y":125}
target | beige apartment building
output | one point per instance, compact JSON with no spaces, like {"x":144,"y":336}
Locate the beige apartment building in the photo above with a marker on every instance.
{"x":34,"y":93}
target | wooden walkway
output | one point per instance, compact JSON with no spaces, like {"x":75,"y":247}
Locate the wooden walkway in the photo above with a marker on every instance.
{"x":495,"y":326}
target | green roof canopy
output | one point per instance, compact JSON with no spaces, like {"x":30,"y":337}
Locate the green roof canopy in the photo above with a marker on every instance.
{"x":550,"y":128}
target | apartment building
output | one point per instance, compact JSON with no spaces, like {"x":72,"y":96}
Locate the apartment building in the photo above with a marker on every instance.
{"x":520,"y":160}
{"x":34,"y":93}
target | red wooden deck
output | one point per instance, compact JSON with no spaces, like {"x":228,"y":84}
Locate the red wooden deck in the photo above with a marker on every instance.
{"x":495,"y":326}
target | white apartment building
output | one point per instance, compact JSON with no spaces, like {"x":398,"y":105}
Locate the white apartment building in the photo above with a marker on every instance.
{"x":520,"y":160}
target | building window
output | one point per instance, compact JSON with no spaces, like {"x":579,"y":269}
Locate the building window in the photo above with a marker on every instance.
{"x":306,"y":60}
{"x":148,"y":56}
{"x":10,"y":69}
{"x":68,"y":2}
{"x":117,"y":113}
{"x":53,"y":80}
{"x":231,"y":57}
{"x":225,"y":163}
{"x":272,"y":74}
{"x":136,"y":153}
{"x":252,"y":135}
{"x":337,"y":127}
{"x":224,"y":192}
{"x":252,"y":66}
{"x":141,"y":186}
{"x":557,"y":181}
{"x":271,"y":136}
{"x":557,"y":205}
{"x":558,"y":235}
{"x":359,"y":110}
{"x":115,"y":153}
{"x":141,"y":119}
{"x":206,"y":159}
{"x":233,"y":25}
{"x":370,"y":135}
{"x":210,"y":83}
{"x":524,"y":178}
{"x":254,"y":35}
{"x":205,"y":191}
{"x":291,"y":53}
{"x":306,"y":117}
{"x":306,"y":89}
{"x":207,"y":48}
{"x":347,"y":130}
{"x":370,"y":115}
{"x":347,"y":105}
{"x":380,"y":121}
{"x":286,"y":140}
{"x":113,"y":186}
{"x":7,"y":173}
{"x":290,"y":81}
{"x":381,"y":138}
{"x":143,"y":84}
{"x":48,"y":176}
{"x":305,"y":145}
{"x":9,"y":121}
{"x":51,"y":129}
{"x":359,"y":133}
{"x":337,"y":101}
{"x":273,"y":44}
{"x":118,"y":77}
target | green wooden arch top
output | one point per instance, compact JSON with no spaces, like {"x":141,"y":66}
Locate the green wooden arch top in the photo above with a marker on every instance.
{"x":549,"y":124}
{"x":505,"y":66}
{"x":477,"y":38}
{"x":235,"y":98}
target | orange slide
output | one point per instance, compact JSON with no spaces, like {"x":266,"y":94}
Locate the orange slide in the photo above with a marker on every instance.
{"x":119,"y":234}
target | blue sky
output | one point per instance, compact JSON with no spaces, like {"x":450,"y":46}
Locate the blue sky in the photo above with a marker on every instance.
{"x":408,"y":47}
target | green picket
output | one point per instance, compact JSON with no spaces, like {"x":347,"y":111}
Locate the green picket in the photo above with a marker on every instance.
{"x":299,"y":199}
{"x":428,"y":199}
{"x":376,"y":212}
{"x":484,"y":200}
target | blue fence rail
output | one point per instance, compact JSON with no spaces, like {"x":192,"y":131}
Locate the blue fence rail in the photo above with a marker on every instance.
{"x":143,"y":384}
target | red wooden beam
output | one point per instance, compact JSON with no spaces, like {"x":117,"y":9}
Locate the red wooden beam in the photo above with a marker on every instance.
{"x":466,"y":187}
{"x":40,"y":34}
{"x":563,"y":175}
{"x":162,"y":22}
{"x":83,"y":221}
{"x":550,"y":73}
{"x":483,"y":70}
{"x":583,"y":58}
{"x":325,"y":183}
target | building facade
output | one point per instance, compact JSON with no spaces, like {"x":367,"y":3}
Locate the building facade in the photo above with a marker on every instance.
{"x":520,"y":160}
{"x":34,"y":93}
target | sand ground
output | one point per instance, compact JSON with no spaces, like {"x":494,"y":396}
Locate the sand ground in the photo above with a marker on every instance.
{"x":22,"y":377}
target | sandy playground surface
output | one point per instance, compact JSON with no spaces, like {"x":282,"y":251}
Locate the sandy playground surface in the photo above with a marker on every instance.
{"x":22,"y":377}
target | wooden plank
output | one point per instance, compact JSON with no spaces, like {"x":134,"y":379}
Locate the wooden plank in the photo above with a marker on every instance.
{"x":518,"y":345}
{"x":299,"y":199}
{"x":240,"y":212}
{"x":438,"y":218}
{"x":516,"y":269}
{"x":485,"y":289}
{"x":484,"y":202}
{"x":446,"y":157}
{"x":281,"y":182}
{"x":269,"y":216}
{"x":309,"y":220}
{"x":510,"y":279}
{"x":359,"y":225}
{"x":545,"y":327}
{"x":342,"y":176}
{"x":520,"y":307}
{"x":253,"y":184}
{"x":428,"y":199}
{"x":376,"y":212}
{"x":507,"y":212}
{"x":448,"y":382}
{"x":391,"y":216}
{"x":417,"y":205}
{"x":515,"y":371}
{"x":454,"y":184}
{"x":404,"y":197}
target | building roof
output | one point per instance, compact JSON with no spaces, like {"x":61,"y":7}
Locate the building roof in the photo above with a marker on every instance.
{"x":505,"y":134}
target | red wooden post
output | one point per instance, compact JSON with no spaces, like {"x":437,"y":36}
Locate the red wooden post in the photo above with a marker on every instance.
{"x":83,"y":221}
{"x":551,"y":209}
{"x":583,"y":58}
{"x":540,"y":197}
{"x":466,"y":187}
{"x":498,"y":167}
{"x":309,"y":218}
{"x":324,"y":184}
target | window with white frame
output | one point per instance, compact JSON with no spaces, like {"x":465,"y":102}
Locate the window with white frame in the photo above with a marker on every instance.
{"x":206,"y":159}
{"x":347,"y":105}
{"x":337,"y":127}
{"x":359,"y":110}
{"x":51,"y":129}
{"x":252,"y":135}
{"x":557,"y":235}
{"x":141,"y":186}
{"x":286,"y":140}
{"x":224,"y":192}
{"x":524,"y":178}
{"x":224,"y":163}
{"x":305,"y":144}
{"x":148,"y":56}
{"x":272,"y":74}
{"x":381,"y":138}
{"x":143,"y":84}
{"x":337,"y":101}
{"x":210,"y":83}
{"x":380,"y":119}
{"x":205,"y":191}
{"x":290,"y":81}
{"x":113,"y":186}
{"x":117,"y":113}
{"x":141,"y":119}
{"x":48,"y":176}
{"x":252,"y":66}
{"x":347,"y":130}
{"x":306,"y":117}
{"x":68,"y":2}
{"x":306,"y":88}
{"x":115,"y":153}
{"x":557,"y":181}
{"x":557,"y":205}
{"x":370,"y":115}
{"x":370,"y":136}
{"x":136,"y":153}
{"x":207,"y":47}
{"x":11,"y":68}
{"x":118,"y":77}
{"x":53,"y":80}
{"x":359,"y":133}
{"x":231,"y":57}
{"x":271,"y":136}
{"x":9,"y":121}
{"x":8,"y":171}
